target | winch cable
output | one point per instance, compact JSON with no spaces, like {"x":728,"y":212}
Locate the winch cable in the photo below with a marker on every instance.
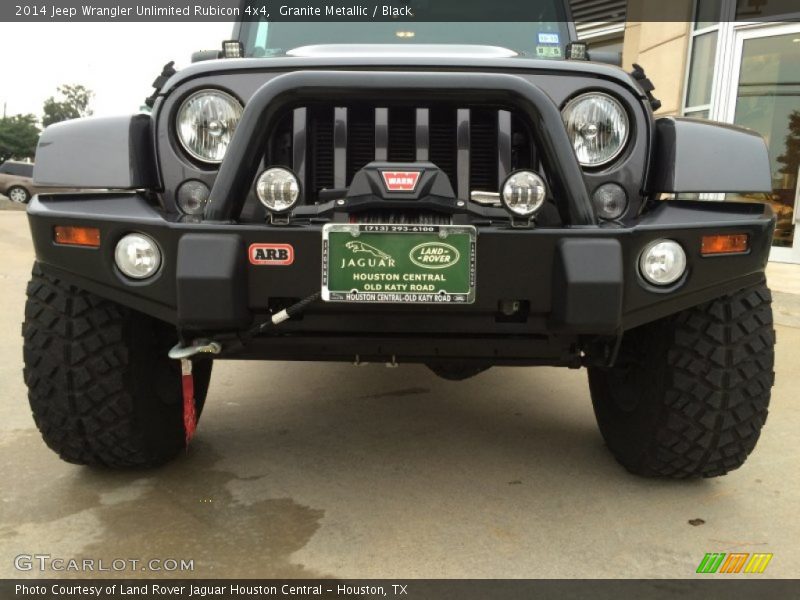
{"x":286,"y":314}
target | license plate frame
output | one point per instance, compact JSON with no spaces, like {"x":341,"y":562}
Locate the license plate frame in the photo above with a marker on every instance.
{"x":415,"y":246}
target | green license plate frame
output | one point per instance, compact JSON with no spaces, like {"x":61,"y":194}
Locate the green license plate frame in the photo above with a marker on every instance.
{"x":398,"y":264}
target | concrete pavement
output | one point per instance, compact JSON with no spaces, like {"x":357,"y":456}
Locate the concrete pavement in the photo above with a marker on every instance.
{"x":330,"y":470}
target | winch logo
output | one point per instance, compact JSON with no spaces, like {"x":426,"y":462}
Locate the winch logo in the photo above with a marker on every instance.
{"x":401,"y":181}
{"x":434,"y":255}
{"x":281,"y":255}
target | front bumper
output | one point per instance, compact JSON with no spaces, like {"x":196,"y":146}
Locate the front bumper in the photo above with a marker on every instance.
{"x":571,"y":284}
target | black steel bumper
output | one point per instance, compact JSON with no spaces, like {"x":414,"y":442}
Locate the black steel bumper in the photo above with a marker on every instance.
{"x":571,"y":283}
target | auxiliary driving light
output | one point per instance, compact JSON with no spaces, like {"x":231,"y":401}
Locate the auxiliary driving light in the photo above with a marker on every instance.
{"x":524,"y":193}
{"x":663,"y":262}
{"x":137,"y":256}
{"x":610,"y":201}
{"x":278,"y":189}
{"x":193,"y":197}
{"x":232,"y":49}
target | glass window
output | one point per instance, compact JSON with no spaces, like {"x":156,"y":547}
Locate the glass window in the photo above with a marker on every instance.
{"x":701,"y":69}
{"x":707,"y":13}
{"x":754,"y":10}
{"x":698,"y":114}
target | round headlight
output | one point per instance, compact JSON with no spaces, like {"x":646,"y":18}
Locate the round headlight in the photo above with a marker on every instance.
{"x":524,"y":193}
{"x":206,"y":122}
{"x":278,"y":189}
{"x":138,"y":256}
{"x":663,"y":262}
{"x":598,"y":127}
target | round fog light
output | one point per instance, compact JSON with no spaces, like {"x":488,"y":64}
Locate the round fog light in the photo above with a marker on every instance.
{"x":278,"y":189}
{"x":524,"y":193}
{"x":610,"y":201}
{"x":193,"y":197}
{"x":137,"y":256}
{"x":663,"y":262}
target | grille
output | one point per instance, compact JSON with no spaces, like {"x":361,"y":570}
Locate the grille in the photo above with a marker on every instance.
{"x":475,"y":147}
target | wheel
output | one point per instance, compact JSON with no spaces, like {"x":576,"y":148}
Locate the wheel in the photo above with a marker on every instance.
{"x":102,"y":390}
{"x":18,"y":194}
{"x":689,"y":393}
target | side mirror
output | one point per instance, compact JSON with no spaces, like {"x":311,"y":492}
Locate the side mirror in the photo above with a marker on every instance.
{"x":609,"y":58}
{"x":203,"y":55}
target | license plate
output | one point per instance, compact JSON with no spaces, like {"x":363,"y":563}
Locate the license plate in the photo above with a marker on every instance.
{"x":398,"y":264}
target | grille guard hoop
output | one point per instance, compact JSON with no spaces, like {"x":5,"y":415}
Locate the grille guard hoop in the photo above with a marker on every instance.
{"x":303,"y":88}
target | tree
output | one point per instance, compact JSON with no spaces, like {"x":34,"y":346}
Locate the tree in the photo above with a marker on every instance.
{"x":18,"y":137}
{"x":791,"y":160}
{"x":72,"y":104}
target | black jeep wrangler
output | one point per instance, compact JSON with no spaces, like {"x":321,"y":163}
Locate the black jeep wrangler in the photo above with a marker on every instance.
{"x":460,"y":196}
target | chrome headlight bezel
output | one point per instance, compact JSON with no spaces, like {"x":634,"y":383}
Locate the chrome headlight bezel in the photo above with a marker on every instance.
{"x":615,"y":104}
{"x":181,"y":121}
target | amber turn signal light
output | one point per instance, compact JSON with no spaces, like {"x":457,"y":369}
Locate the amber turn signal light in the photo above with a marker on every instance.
{"x":725,"y":244}
{"x":77,"y":236}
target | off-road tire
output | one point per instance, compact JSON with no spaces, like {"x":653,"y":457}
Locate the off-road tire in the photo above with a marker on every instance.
{"x":689,"y":394}
{"x":102,"y":390}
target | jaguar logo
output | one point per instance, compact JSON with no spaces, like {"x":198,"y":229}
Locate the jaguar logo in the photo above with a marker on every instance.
{"x":434,"y":255}
{"x":356,"y":247}
{"x":374,"y":258}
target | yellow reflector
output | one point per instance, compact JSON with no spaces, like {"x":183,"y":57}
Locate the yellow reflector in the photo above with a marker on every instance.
{"x":77,"y":236}
{"x":725,"y":244}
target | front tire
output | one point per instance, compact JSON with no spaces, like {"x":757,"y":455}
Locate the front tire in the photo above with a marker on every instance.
{"x":102,"y":390}
{"x":18,"y":194}
{"x":689,"y":393}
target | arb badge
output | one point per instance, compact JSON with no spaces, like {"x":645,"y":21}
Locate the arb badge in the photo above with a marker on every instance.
{"x":281,"y":255}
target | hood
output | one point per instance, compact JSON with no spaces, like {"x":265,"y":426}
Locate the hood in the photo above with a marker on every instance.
{"x":401,"y":51}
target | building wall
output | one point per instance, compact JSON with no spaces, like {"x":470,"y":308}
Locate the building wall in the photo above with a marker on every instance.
{"x":660,"y":47}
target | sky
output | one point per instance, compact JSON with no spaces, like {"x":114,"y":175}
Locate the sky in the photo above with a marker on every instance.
{"x":118,"y":61}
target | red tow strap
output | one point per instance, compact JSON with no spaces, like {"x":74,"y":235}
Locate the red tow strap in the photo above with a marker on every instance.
{"x":189,"y":412}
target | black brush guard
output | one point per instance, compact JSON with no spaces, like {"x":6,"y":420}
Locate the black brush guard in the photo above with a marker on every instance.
{"x":304,"y":88}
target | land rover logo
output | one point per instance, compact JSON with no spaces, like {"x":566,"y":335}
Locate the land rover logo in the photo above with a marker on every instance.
{"x":434,"y":255}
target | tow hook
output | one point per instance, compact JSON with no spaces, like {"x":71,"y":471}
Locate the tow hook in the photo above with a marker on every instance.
{"x":181,"y":352}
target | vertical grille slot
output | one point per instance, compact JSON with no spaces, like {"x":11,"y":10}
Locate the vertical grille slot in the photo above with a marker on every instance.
{"x":402,"y":140}
{"x":442,"y":134}
{"x":321,"y":147}
{"x":483,"y":150}
{"x":361,"y":132}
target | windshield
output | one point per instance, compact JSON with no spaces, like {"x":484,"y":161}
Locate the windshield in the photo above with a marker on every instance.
{"x":541,"y":39}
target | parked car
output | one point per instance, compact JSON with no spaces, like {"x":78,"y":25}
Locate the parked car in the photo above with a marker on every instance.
{"x":16,"y":182}
{"x":444,"y":201}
